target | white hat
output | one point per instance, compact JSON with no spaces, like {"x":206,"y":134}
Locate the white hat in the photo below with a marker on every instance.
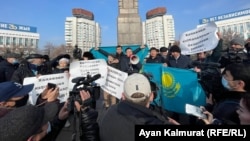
{"x":64,"y":59}
{"x":137,"y":83}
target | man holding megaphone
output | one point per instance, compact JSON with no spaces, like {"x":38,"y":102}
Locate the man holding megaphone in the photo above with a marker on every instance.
{"x":130,"y":63}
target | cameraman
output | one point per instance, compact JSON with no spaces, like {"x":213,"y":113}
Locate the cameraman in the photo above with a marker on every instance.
{"x":236,"y":53}
{"x":89,"y":129}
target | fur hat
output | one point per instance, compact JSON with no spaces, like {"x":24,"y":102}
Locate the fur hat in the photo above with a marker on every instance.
{"x":21,"y":123}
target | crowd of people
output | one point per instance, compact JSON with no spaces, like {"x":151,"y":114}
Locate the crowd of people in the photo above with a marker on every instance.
{"x":45,"y":120}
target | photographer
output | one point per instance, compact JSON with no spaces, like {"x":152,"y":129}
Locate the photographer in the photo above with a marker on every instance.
{"x":236,"y":53}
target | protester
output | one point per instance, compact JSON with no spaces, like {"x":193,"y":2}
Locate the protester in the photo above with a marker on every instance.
{"x":127,"y":64}
{"x":8,"y":66}
{"x":236,"y":79}
{"x":119,"y":54}
{"x":88,"y":56}
{"x":108,"y":98}
{"x":61,"y":64}
{"x":118,"y":124}
{"x":47,"y":64}
{"x":243,"y":112}
{"x":212,"y":55}
{"x":154,"y":57}
{"x":164,"y":53}
{"x":32,"y":66}
{"x":178,"y":60}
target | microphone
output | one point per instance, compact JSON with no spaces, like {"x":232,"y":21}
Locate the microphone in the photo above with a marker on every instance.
{"x":84,"y":80}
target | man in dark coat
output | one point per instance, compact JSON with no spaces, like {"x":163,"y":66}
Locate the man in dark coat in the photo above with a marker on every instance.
{"x":118,"y":124}
{"x":236,"y":79}
{"x":178,"y":60}
{"x":236,"y":53}
{"x":8,"y":66}
{"x":154,"y":57}
{"x":32,"y":66}
{"x":127,"y":64}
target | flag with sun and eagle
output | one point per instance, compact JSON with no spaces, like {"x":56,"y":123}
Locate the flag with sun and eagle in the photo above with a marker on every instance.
{"x":177,"y":87}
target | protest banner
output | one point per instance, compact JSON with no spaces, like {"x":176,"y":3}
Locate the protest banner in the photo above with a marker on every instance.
{"x":40,"y":83}
{"x":201,"y":39}
{"x":114,"y":82}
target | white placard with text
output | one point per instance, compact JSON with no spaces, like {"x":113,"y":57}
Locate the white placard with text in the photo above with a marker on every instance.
{"x":40,"y":83}
{"x":200,"y":39}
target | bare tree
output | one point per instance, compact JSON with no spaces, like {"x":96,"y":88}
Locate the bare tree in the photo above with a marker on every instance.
{"x":48,"y":48}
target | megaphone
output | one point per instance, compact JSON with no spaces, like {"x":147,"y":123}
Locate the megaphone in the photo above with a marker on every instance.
{"x":134,"y":59}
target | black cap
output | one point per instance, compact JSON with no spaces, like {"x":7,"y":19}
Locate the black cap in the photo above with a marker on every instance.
{"x":89,"y":55}
{"x":112,"y":55}
{"x":32,"y":56}
{"x":163,"y":49}
{"x":153,"y":48}
{"x":175,"y":49}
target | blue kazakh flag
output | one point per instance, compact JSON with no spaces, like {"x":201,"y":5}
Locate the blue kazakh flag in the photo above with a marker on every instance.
{"x":112,"y":50}
{"x":180,"y":86}
{"x":155,"y":70}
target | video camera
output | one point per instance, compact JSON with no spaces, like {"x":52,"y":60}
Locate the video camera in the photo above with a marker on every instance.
{"x":234,"y":56}
{"x":87,"y":84}
{"x":210,"y":78}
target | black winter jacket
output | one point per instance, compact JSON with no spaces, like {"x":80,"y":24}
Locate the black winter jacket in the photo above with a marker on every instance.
{"x":118,"y":124}
{"x":6,"y":70}
{"x":225,"y":109}
{"x":24,"y":70}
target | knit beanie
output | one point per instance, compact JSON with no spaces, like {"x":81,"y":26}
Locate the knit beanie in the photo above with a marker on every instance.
{"x":238,"y":41}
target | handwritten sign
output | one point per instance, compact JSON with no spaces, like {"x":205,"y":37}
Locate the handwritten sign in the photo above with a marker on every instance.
{"x":91,"y":67}
{"x":61,"y":80}
{"x":198,"y":40}
{"x":114,"y":82}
